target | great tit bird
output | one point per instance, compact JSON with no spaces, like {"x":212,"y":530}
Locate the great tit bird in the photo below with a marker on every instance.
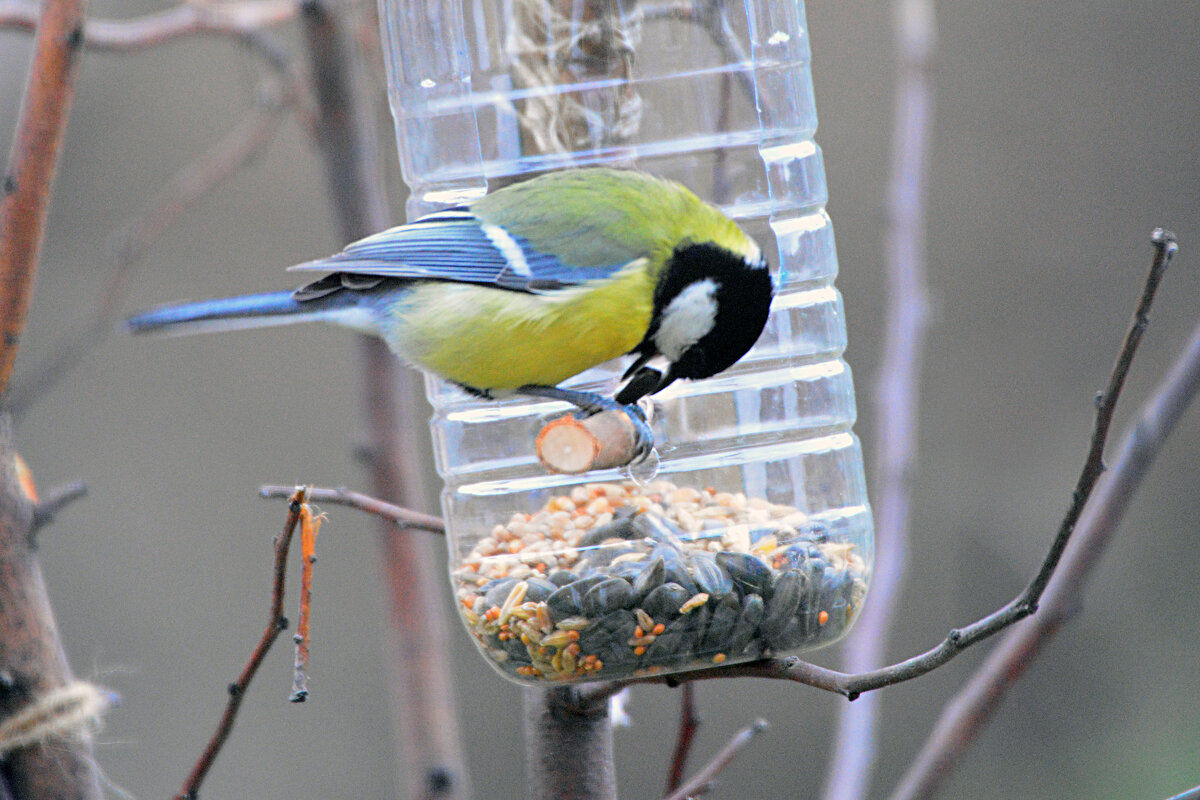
{"x":534,"y":283}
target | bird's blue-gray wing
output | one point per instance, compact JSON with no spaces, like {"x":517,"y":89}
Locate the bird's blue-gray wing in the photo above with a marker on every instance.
{"x":454,"y":245}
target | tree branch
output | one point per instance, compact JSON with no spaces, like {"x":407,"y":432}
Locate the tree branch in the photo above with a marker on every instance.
{"x":1024,"y":604}
{"x":243,"y":19}
{"x":33,"y":666}
{"x":55,"y":500}
{"x":568,"y":747}
{"x":403,"y":517}
{"x":703,"y":781}
{"x":965,"y":715}
{"x":689,"y":723}
{"x":25,"y":190}
{"x":276,"y":624}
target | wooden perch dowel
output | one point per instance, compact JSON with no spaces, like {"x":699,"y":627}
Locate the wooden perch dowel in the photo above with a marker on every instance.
{"x":573,"y":446}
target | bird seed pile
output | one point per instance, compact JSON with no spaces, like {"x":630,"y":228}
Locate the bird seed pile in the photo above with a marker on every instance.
{"x":618,"y":580}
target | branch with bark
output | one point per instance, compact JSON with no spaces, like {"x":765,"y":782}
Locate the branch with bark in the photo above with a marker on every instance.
{"x":1021,"y":606}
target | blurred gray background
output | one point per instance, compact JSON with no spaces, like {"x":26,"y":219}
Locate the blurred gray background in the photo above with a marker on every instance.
{"x":1064,"y":133}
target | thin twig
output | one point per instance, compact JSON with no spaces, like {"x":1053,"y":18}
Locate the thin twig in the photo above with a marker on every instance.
{"x":55,"y":500}
{"x":310,"y":526}
{"x":276,"y":624}
{"x":896,"y":396}
{"x":243,"y":20}
{"x":1024,"y":604}
{"x":403,"y":517}
{"x":227,"y":157}
{"x":964,"y":716}
{"x":689,"y":723}
{"x":703,"y":781}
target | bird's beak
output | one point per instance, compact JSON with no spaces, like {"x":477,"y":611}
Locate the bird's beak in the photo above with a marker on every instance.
{"x":646,"y":380}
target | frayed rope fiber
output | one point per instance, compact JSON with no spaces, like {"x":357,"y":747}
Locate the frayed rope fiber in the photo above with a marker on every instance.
{"x":71,"y":711}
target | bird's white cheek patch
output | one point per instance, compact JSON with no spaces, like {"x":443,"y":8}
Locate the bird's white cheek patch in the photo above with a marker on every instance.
{"x":687,"y":319}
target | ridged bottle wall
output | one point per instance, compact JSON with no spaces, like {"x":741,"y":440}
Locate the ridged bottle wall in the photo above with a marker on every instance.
{"x":754,"y":535}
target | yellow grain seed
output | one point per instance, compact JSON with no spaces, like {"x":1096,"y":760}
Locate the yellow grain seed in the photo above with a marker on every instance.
{"x":557,"y":639}
{"x":557,"y":662}
{"x":696,"y":601}
{"x":561,"y":503}
{"x":573,"y":623}
{"x":515,"y":596}
{"x":580,"y":495}
{"x":568,"y":661}
{"x":644,"y":620}
{"x":527,"y":610}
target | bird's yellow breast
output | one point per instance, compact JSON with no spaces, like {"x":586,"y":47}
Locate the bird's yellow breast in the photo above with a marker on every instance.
{"x":493,"y":339}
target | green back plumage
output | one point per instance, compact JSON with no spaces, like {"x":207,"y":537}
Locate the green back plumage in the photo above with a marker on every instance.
{"x":600,"y":216}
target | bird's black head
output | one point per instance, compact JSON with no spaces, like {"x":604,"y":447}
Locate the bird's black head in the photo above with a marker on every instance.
{"x":710,"y":306}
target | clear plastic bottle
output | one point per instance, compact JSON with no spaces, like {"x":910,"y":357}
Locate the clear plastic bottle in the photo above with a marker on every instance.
{"x":755,"y":536}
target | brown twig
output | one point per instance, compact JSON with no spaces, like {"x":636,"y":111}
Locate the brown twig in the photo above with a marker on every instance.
{"x":896,"y":396}
{"x":276,"y":624}
{"x":403,"y":518}
{"x":703,"y":781}
{"x":310,"y":526}
{"x":25,"y":190}
{"x":964,"y":716}
{"x":689,"y":723}
{"x":243,"y":20}
{"x":228,"y":156}
{"x":1024,"y":604}
{"x":55,"y":500}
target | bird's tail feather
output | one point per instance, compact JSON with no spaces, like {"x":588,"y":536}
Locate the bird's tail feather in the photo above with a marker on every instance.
{"x":247,"y":311}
